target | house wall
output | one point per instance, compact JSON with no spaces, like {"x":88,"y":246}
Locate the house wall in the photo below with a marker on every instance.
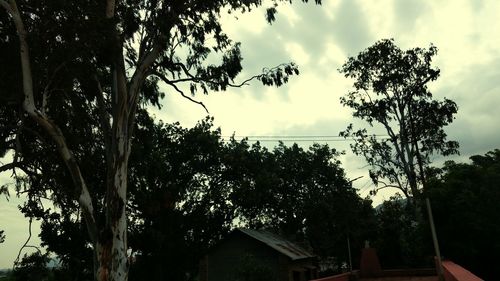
{"x":302,"y":270}
{"x":226,"y":260}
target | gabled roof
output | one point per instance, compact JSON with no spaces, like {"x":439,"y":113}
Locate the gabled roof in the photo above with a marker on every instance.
{"x":278,"y":243}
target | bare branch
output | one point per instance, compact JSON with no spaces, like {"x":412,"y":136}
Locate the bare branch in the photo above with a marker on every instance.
{"x":355,"y":179}
{"x":25,"y":245}
{"x":45,"y":94}
{"x":165,"y":79}
{"x":10,"y":166}
{"x":194,"y":78}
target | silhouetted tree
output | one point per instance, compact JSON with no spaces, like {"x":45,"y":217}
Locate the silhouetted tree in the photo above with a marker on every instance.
{"x":188,"y":187}
{"x":465,"y":200}
{"x":400,"y":241}
{"x":305,"y":195}
{"x":32,"y":267}
{"x":390,"y":91}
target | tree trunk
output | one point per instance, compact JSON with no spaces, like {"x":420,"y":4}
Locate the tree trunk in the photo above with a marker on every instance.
{"x":109,"y":238}
{"x":113,"y":261}
{"x":112,"y":255}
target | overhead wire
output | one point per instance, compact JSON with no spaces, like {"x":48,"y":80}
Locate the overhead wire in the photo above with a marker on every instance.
{"x":300,"y":138}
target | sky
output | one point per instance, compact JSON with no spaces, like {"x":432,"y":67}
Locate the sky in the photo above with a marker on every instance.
{"x":320,"y":39}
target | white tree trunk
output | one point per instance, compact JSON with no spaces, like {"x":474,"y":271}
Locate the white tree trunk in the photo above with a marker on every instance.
{"x":110,"y":239}
{"x":112,"y":257}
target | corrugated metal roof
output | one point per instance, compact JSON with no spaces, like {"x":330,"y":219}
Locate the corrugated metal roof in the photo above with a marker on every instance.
{"x":278,"y":243}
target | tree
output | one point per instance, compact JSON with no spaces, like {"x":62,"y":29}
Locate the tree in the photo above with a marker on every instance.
{"x":175,"y":206}
{"x":32,"y":267}
{"x":304,"y":195}
{"x":180,"y":199}
{"x":187,"y":187}
{"x":2,"y":236}
{"x":102,"y":61}
{"x":390,"y":90}
{"x":465,"y":198}
{"x":400,"y":241}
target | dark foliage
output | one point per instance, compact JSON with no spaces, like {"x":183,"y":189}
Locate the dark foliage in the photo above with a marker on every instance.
{"x":187,"y":189}
{"x":89,"y":69}
{"x":32,"y":267}
{"x":465,"y":202}
{"x":401,"y":241}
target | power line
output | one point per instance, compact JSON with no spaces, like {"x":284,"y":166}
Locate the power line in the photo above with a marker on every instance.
{"x":296,"y":136}
{"x":301,"y":138}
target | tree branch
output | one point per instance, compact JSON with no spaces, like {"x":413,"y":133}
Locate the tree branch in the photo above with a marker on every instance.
{"x":10,"y":166}
{"x":84,"y":199}
{"x":165,"y":79}
{"x":140,"y":73}
{"x":28,"y":103}
{"x":7,"y":7}
{"x":46,"y":89}
{"x":25,"y":245}
{"x":392,"y":186}
{"x":209,"y":80}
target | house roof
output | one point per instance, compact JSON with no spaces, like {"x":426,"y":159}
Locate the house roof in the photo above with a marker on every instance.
{"x":278,"y":243}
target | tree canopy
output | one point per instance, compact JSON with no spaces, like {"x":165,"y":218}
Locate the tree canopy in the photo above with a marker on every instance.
{"x":188,"y":188}
{"x":85,"y":72}
{"x":390,"y":92}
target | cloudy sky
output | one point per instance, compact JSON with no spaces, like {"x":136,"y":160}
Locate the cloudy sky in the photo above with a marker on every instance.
{"x":319,"y":39}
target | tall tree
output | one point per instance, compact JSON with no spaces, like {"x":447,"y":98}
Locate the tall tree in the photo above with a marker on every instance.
{"x":390,"y":91}
{"x":106,"y":58}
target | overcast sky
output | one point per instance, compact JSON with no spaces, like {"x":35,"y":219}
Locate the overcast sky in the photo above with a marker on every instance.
{"x":319,"y":39}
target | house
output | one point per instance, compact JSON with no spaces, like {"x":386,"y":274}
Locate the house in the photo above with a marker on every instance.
{"x":247,"y":254}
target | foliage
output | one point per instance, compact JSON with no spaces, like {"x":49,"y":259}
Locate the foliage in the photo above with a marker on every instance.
{"x":401,"y":241}
{"x":304,"y":195}
{"x":179,"y":199}
{"x":86,"y":71}
{"x":188,"y":187}
{"x":32,"y":267}
{"x":465,"y":200}
{"x":2,"y":236}
{"x":390,"y":91}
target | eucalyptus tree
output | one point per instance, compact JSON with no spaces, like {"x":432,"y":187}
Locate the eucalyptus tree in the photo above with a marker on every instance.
{"x":101,"y":62}
{"x":390,"y":90}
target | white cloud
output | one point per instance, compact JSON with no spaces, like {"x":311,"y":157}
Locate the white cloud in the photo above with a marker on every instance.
{"x":252,"y":22}
{"x":297,"y":53}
